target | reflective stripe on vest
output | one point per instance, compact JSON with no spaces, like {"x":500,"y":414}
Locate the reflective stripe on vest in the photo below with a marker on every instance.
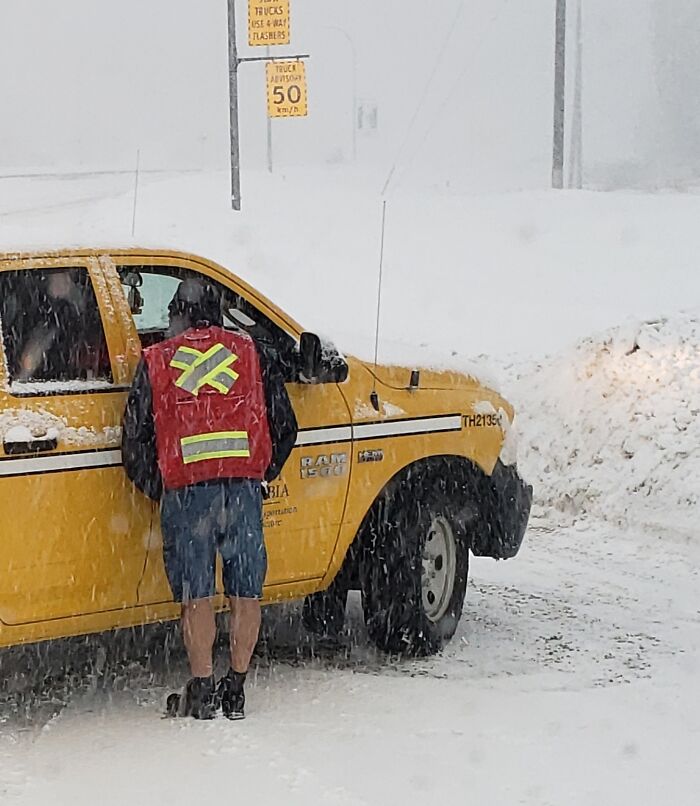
{"x":212,"y":368}
{"x":221,"y":445}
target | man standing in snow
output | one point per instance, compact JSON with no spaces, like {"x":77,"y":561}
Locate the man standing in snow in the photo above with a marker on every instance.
{"x":207,"y":423}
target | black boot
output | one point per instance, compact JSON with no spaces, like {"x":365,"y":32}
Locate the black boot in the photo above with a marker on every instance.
{"x":232,"y":695}
{"x":200,"y":698}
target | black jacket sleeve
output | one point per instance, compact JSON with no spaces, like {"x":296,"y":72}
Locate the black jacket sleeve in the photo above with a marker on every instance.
{"x":280,"y":414}
{"x":139,"y":453}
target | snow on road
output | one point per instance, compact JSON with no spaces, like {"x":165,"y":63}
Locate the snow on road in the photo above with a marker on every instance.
{"x":572,"y":679}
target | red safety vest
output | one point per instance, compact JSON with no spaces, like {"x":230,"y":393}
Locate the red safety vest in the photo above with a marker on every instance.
{"x":209,"y":407}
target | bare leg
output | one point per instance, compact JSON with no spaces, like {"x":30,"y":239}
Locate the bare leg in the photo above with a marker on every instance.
{"x":199,"y":632}
{"x":245,"y":627}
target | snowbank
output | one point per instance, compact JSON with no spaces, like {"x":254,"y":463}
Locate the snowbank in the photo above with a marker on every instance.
{"x":612,"y":427}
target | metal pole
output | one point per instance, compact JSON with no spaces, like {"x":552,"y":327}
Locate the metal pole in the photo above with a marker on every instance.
{"x":269,"y":131}
{"x":233,"y":88}
{"x":559,"y":96}
{"x":576,"y":157}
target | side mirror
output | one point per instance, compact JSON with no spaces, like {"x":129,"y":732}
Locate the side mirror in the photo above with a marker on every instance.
{"x":311,"y":354}
{"x":319,"y":364}
{"x":135,"y":301}
{"x":133,"y":281}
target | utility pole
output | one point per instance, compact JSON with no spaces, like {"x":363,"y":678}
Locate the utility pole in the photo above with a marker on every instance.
{"x":233,"y":63}
{"x":559,"y":95}
{"x":576,"y":156}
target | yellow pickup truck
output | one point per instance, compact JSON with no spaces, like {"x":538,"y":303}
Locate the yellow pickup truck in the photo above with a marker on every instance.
{"x":397,"y":473}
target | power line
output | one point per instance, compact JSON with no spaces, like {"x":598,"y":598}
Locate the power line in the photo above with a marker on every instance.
{"x":426,"y":90}
{"x":436,"y":117}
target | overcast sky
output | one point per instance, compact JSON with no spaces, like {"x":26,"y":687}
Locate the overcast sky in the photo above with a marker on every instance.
{"x":87,"y":82}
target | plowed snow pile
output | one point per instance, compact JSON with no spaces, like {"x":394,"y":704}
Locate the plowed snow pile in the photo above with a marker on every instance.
{"x":612,"y":428}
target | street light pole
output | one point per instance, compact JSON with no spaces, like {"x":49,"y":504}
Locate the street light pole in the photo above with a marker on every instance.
{"x":559,"y":96}
{"x":347,"y":36}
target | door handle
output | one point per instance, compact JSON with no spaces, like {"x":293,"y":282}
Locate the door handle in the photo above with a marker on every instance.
{"x":43,"y":445}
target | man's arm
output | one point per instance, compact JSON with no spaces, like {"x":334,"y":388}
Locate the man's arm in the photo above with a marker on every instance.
{"x":139,"y":453}
{"x":280,"y":414}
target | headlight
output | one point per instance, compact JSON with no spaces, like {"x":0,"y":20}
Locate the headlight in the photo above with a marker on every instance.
{"x":509,"y":449}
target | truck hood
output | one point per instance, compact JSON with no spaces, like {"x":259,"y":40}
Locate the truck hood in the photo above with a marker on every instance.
{"x":399,"y":378}
{"x":440,"y":380}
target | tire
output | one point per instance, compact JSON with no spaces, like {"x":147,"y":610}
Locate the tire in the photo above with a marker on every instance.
{"x":414,"y":576}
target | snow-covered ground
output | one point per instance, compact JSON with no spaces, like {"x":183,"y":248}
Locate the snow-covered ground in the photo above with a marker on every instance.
{"x":572,"y":680}
{"x":573,"y":676}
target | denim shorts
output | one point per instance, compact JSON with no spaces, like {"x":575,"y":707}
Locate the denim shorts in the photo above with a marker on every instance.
{"x":223,"y":516}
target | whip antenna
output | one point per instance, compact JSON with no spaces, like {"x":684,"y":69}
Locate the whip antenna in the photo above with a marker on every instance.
{"x":136,"y":191}
{"x":374,"y":397}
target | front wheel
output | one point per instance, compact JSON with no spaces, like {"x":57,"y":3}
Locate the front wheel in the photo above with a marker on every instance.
{"x":415,"y":572}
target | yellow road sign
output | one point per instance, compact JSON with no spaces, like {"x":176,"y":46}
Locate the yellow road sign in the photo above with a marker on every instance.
{"x":268,"y":22}
{"x":287,"y":95}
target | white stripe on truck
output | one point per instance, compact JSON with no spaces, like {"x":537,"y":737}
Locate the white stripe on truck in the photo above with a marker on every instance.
{"x":53,"y":463}
{"x":112,"y":457}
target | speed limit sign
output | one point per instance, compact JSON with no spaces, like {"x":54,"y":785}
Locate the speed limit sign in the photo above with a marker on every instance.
{"x":287,"y":95}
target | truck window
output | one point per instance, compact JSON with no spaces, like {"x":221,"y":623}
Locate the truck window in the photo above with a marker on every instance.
{"x":156,"y":292}
{"x":51,"y":327}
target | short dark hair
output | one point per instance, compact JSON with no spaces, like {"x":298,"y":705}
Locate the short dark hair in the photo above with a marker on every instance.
{"x":199,"y":301}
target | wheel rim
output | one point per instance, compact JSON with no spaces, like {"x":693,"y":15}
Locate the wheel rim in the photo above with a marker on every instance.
{"x":439,"y":569}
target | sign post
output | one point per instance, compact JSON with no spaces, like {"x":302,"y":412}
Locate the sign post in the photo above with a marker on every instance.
{"x":233,"y":63}
{"x":268,"y":25}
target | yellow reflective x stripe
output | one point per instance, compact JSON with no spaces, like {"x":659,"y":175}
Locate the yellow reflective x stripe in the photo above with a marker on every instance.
{"x":184,"y":358}
{"x":212,"y":368}
{"x":224,"y":368}
{"x":190,"y":351}
{"x":199,"y":359}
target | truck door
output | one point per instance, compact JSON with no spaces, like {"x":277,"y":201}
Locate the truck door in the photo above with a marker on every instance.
{"x":303,"y":514}
{"x":72,"y":531}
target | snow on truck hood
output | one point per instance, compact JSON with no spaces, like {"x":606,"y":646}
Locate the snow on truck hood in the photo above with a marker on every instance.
{"x":443,"y":380}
